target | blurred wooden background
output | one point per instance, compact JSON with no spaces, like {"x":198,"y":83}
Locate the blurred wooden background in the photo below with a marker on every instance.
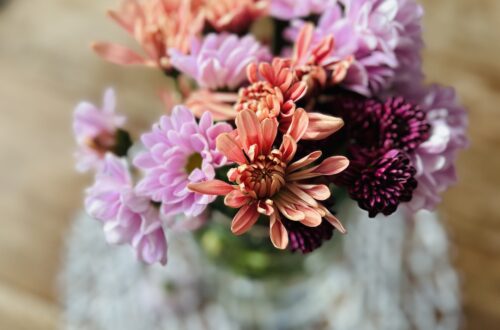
{"x":46,"y":67}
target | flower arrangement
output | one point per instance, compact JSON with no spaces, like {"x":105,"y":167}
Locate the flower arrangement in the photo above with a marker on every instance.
{"x":328,"y":97}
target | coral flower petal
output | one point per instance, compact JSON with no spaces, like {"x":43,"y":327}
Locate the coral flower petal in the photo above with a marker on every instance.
{"x":278,"y":232}
{"x":249,"y":129}
{"x":332,"y":165}
{"x":288,"y":148}
{"x":309,"y":159}
{"x":299,"y":125}
{"x":227,"y":145}
{"x":322,"y":126}
{"x":211,"y":187}
{"x":236,"y":199}
{"x":319,"y":192}
{"x":244,"y":219}
{"x":335,"y":222}
{"x":269,"y":131}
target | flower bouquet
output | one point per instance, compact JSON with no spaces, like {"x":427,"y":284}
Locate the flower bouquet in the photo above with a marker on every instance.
{"x":284,"y":113}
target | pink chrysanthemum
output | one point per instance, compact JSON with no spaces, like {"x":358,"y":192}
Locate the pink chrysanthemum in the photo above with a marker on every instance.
{"x":219,"y":61}
{"x":382,"y":35}
{"x":157,"y":25}
{"x":96,"y":131}
{"x":435,"y":158}
{"x":126,"y":217}
{"x":234,"y":16}
{"x":289,"y":9}
{"x":267,"y":181}
{"x":180,"y":151}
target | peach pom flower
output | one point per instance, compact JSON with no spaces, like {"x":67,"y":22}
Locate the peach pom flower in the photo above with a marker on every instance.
{"x":267,"y":181}
{"x":157,"y":25}
{"x":234,"y":16}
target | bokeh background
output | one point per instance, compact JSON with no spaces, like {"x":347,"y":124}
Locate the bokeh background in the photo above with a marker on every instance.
{"x":46,"y":67}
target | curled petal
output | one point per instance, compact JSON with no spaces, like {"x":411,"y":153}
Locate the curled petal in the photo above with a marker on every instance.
{"x":312,"y":219}
{"x":309,"y":159}
{"x":299,"y":125}
{"x":244,"y":219}
{"x":288,"y":148}
{"x":265,"y":207}
{"x":335,"y":222}
{"x":321,"y":126}
{"x":211,"y":187}
{"x":249,"y":129}
{"x":228,"y":146}
{"x":319,"y":192}
{"x":332,"y":165}
{"x":277,"y":232}
{"x":269,"y":131}
{"x":118,"y":54}
{"x":236,"y":199}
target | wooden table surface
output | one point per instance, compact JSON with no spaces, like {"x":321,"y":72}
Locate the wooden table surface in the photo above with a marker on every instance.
{"x":46,"y":67}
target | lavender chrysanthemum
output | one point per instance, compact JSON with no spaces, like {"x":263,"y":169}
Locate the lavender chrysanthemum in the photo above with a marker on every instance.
{"x":378,"y":126}
{"x":382,"y":35}
{"x":435,"y":158}
{"x":290,"y":9}
{"x":381,"y":185}
{"x":180,"y":151}
{"x":307,"y":239}
{"x":219,"y":61}
{"x":95,"y":131}
{"x":126,"y":217}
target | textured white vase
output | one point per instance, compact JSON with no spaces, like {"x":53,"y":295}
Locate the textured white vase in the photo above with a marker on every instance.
{"x":388,"y":273}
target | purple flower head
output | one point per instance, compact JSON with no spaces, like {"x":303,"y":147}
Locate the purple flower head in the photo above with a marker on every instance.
{"x":126,"y":217}
{"x":307,"y":239}
{"x":219,"y":61}
{"x":380,"y":185}
{"x":435,"y":158}
{"x":180,"y":151}
{"x":378,"y":33}
{"x":378,"y":126}
{"x":95,"y":131}
{"x":290,"y":9}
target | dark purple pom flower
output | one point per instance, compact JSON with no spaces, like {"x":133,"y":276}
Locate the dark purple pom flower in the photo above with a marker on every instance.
{"x":382,"y":184}
{"x":378,"y":127}
{"x":307,"y":239}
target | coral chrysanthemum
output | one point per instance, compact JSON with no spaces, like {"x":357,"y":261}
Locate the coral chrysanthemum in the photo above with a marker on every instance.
{"x":180,"y":151}
{"x":157,"y":25}
{"x":234,"y":16}
{"x":268,"y":182}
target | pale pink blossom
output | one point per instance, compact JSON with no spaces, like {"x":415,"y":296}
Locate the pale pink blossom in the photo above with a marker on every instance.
{"x":95,"y":131}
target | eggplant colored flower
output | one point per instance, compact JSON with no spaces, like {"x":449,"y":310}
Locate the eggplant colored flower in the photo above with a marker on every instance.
{"x":268,"y":182}
{"x":234,"y":16}
{"x":381,"y":185}
{"x":435,"y":158}
{"x":180,"y":151}
{"x":290,"y":9}
{"x":219,"y":61}
{"x":157,"y":25}
{"x":126,"y":217}
{"x":307,"y":239}
{"x":377,"y":127}
{"x":97,"y":132}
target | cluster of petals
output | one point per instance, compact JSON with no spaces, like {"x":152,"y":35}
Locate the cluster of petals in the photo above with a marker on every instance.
{"x":157,"y":25}
{"x":234,"y":16}
{"x":381,"y":35}
{"x":268,"y":182}
{"x":435,"y":158}
{"x":180,"y":151}
{"x":127,"y":218}
{"x":95,"y":131}
{"x":219,"y":61}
